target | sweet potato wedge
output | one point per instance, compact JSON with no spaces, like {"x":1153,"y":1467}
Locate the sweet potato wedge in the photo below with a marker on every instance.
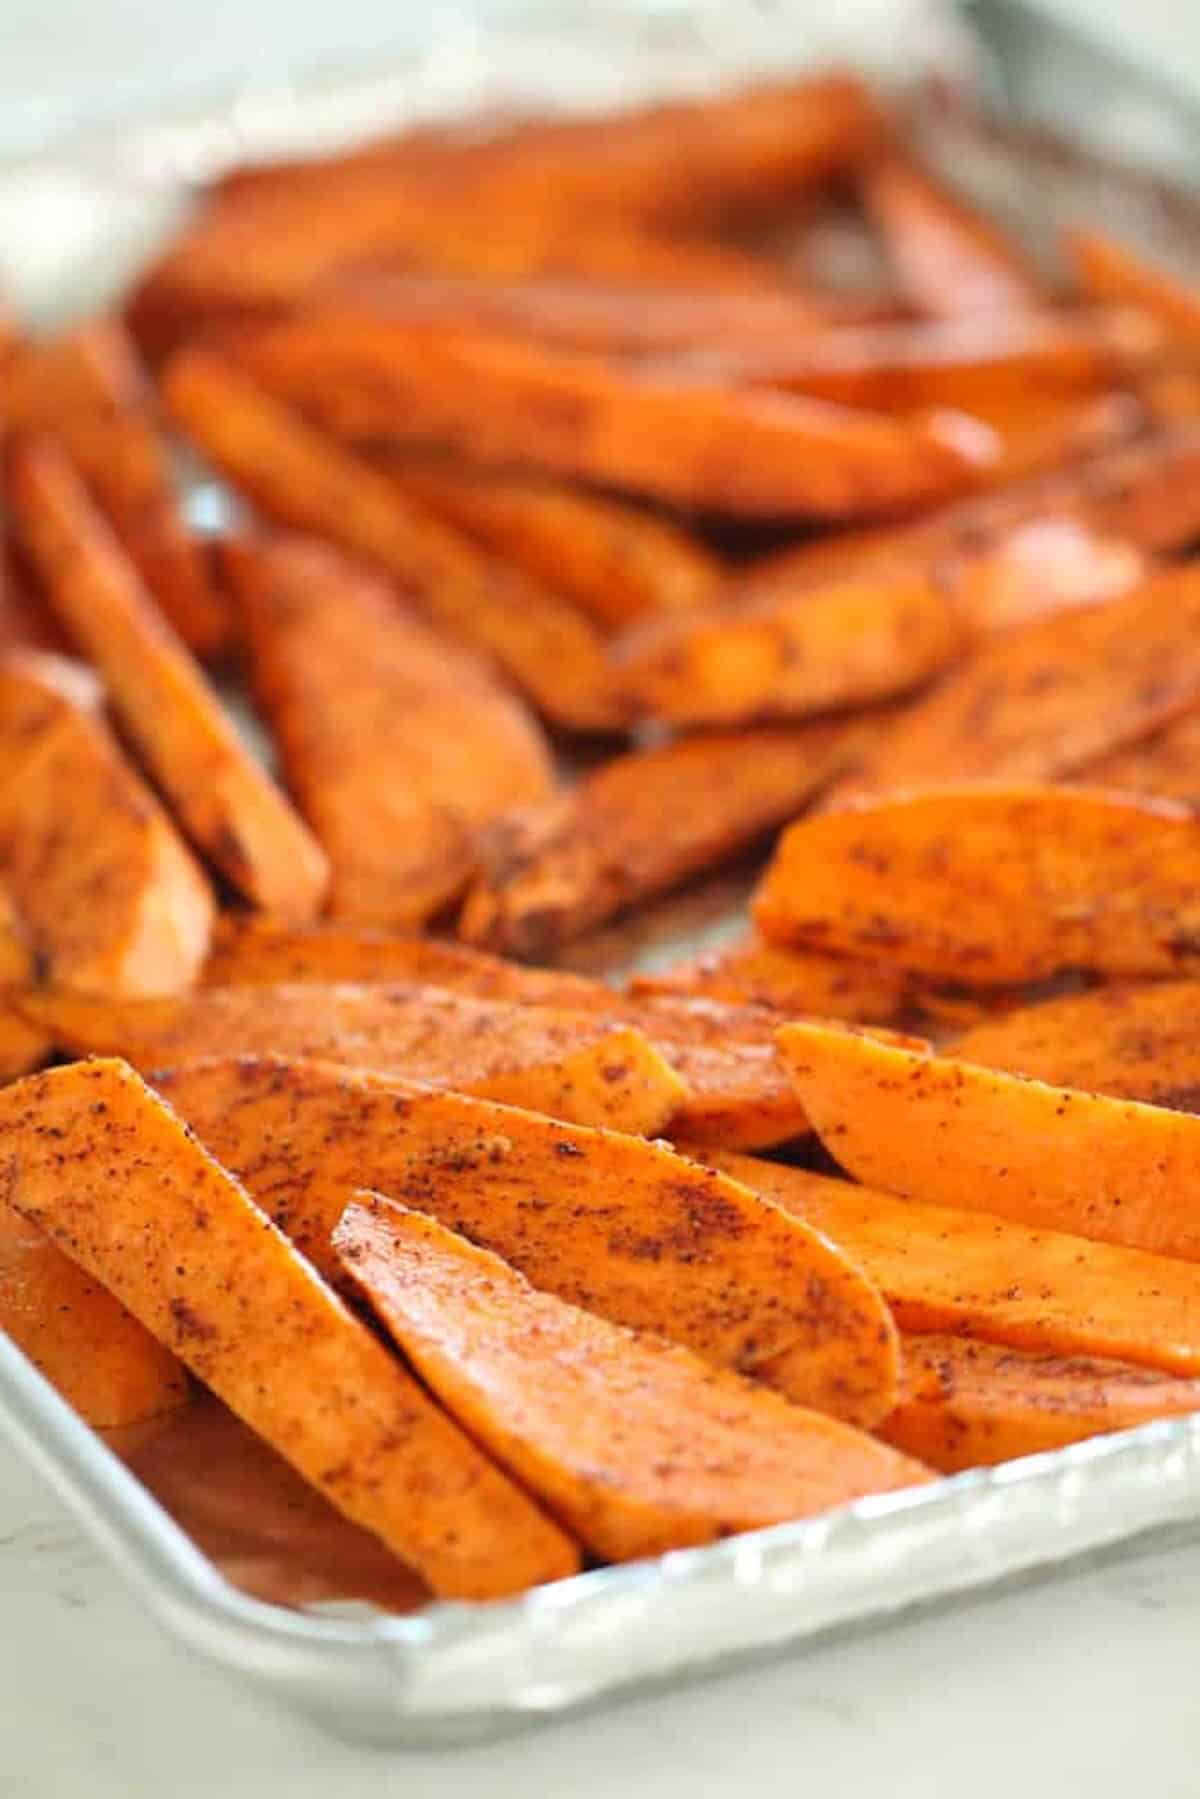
{"x":1049,"y":434}
{"x":1165,"y":765}
{"x":22,"y":1047}
{"x":1047,"y":698}
{"x":1040,"y":569}
{"x":794,"y":653}
{"x":970,"y":362}
{"x":751,"y":972}
{"x":970,"y":1405}
{"x":669,"y":436}
{"x":1112,"y":272}
{"x":397,"y":746}
{"x":87,"y":390}
{"x":298,"y":477}
{"x":102,"y":1361}
{"x":591,"y":1070}
{"x":988,"y":884}
{"x":948,"y":260}
{"x":636,"y":1444}
{"x":638,"y":826}
{"x":625,"y":1227}
{"x":616,"y":562}
{"x":738,"y":1093}
{"x":112,"y":901}
{"x":225,"y":799}
{"x":943,"y":1268}
{"x":952,"y":1133}
{"x":1135,"y":1041}
{"x":95,"y":1159}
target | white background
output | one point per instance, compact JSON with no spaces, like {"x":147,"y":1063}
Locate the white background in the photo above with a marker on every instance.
{"x":1083,"y":1686}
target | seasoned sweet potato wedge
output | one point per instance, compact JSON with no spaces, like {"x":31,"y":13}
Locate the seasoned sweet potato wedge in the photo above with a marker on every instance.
{"x":636,"y":1444}
{"x":751,"y":972}
{"x":1040,"y":569}
{"x":397,"y":746}
{"x":988,"y":884}
{"x":592,"y":1070}
{"x":687,"y":439}
{"x":1047,"y":698}
{"x":952,"y":1133}
{"x":803,"y":650}
{"x":102,"y":1361}
{"x":1049,"y":434}
{"x":87,"y":390}
{"x":21,"y":1045}
{"x":623,"y":1226}
{"x":615,"y":561}
{"x":228,"y":804}
{"x":112,"y":901}
{"x":1110,"y":271}
{"x":298,"y":477}
{"x":738,"y":1093}
{"x":638,"y":826}
{"x":973,"y":362}
{"x":944,"y":1268}
{"x":1165,"y":765}
{"x":95,"y":1159}
{"x":948,"y":259}
{"x":1135,"y":1041}
{"x":970,"y":1405}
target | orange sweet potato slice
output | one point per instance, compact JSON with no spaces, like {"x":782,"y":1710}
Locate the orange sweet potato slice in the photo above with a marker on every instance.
{"x":102,"y":1361}
{"x":592,"y":1070}
{"x":397,"y":746}
{"x":112,"y":901}
{"x":738,"y":1093}
{"x":1047,"y":698}
{"x":969,"y":1405}
{"x":635,"y":1443}
{"x":21,"y":1046}
{"x":615,"y":561}
{"x":948,"y":259}
{"x":1165,"y":765}
{"x":638,"y":826}
{"x":95,"y":1159}
{"x":1044,"y":434}
{"x":1110,"y":271}
{"x":803,"y":650}
{"x":1132,"y":1041}
{"x":625,"y":1227}
{"x":1039,"y":569}
{"x":989,"y":884}
{"x":87,"y":389}
{"x":667,"y":434}
{"x":944,"y":1268}
{"x":751,"y":972}
{"x":227,"y":802}
{"x":952,"y":1133}
{"x":297,"y":476}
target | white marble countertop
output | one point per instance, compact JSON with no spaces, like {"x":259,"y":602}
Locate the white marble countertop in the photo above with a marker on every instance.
{"x":1083,"y":1685}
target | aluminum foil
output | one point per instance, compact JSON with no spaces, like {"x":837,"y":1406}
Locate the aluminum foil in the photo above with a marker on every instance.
{"x":354,"y":1647}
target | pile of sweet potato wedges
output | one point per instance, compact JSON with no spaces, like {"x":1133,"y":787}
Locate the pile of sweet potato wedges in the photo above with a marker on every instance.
{"x":538,"y":442}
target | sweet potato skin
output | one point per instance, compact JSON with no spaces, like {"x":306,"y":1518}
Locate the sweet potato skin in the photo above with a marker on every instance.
{"x":738,"y":1093}
{"x":949,"y":1132}
{"x":614,"y":561}
{"x":967,"y":1405}
{"x":949,"y":260}
{"x":639,"y":825}
{"x":636,"y":1444}
{"x":792,"y":654}
{"x":585,"y":417}
{"x":624,"y":1227}
{"x":1047,"y":698}
{"x":227,"y":802}
{"x":397,"y":746}
{"x":301,"y":479}
{"x":992,"y":883}
{"x":592,"y":1070}
{"x":112,"y":901}
{"x":208,"y":1274}
{"x":946,"y":1269}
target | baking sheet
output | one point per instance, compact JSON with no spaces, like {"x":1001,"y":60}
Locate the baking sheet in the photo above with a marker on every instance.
{"x":236,"y":1556}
